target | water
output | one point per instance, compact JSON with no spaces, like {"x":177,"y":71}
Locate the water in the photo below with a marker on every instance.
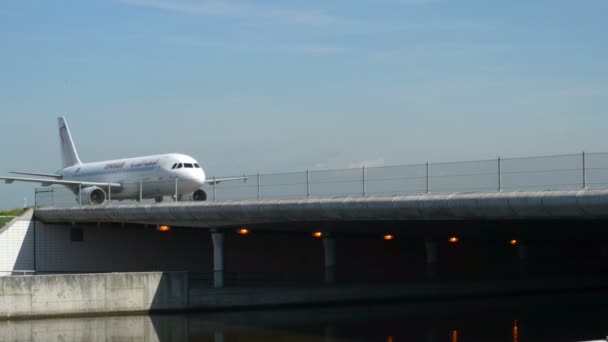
{"x":565,"y":317}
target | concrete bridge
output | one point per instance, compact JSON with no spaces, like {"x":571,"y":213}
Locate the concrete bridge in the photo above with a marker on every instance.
{"x":518,"y":205}
{"x":371,"y":223}
{"x":508,"y":215}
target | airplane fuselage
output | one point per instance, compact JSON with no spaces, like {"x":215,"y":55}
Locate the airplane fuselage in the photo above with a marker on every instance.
{"x":153,"y":176}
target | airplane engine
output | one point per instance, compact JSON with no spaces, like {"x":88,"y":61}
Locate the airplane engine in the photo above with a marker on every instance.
{"x":198,"y":195}
{"x":93,"y":195}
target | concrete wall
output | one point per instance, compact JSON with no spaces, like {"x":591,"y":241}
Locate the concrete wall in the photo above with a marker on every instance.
{"x":281,"y":296}
{"x":52,"y":295}
{"x":17,"y":244}
{"x":27,"y":244}
{"x":113,"y":248}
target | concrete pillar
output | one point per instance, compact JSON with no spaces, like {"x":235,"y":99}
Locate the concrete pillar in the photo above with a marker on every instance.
{"x":330,"y":333}
{"x":604,"y":251}
{"x":218,"y":258}
{"x":329,"y":247}
{"x":432,"y":258}
{"x":523,"y":264}
{"x":522,"y":252}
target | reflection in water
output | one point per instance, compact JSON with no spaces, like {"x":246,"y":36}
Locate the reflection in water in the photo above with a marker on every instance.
{"x":132,"y":328}
{"x":545,"y":318}
{"x":454,"y":335}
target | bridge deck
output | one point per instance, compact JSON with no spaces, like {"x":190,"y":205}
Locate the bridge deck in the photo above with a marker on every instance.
{"x":581,"y":204}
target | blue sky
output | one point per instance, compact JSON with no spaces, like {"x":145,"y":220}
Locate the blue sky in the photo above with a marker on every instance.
{"x":247,"y":86}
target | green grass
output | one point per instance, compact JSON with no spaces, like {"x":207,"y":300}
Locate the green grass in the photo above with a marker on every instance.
{"x":14,"y":212}
{"x":11,"y":214}
{"x":4,"y":220}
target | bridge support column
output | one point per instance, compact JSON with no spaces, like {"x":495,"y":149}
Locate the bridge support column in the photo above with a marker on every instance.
{"x":432,"y":258}
{"x":329,"y":247}
{"x":330,"y":333}
{"x":522,"y":252}
{"x":218,"y":258}
{"x":522,"y":255}
{"x":604,"y":251}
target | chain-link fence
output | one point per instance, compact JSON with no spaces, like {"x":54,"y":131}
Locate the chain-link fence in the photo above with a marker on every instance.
{"x":560,"y":172}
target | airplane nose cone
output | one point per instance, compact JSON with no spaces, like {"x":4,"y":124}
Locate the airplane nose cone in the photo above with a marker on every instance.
{"x":200,"y":178}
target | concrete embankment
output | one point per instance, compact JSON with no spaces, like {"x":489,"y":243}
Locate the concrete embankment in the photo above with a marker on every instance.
{"x":117,"y":293}
{"x":109,"y":293}
{"x":231,"y":298}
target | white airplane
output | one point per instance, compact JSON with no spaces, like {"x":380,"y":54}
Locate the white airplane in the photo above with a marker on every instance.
{"x":131,"y":178}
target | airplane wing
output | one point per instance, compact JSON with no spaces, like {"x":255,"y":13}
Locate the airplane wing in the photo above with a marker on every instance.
{"x":214,"y":180}
{"x":48,"y":182}
{"x":50,"y":175}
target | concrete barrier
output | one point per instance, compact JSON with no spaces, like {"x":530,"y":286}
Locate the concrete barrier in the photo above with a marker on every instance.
{"x":231,"y":298}
{"x":122,"y":293}
{"x":57,"y":295}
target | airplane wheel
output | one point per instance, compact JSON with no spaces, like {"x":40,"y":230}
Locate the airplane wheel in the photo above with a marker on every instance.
{"x":158,"y":199}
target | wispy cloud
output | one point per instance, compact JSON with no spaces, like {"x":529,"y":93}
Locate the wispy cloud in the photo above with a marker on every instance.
{"x":239,"y":45}
{"x":236,"y":10}
{"x":302,"y":16}
{"x":367,"y":163}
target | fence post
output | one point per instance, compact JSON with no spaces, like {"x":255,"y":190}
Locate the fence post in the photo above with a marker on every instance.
{"x":141,"y":190}
{"x":80,"y":194}
{"x":109,"y":194}
{"x":499,"y":176}
{"x":53,"y":198}
{"x":584,"y":172}
{"x":259,"y":190}
{"x":428,"y":186}
{"x":363,"y":178}
{"x":307,"y":183}
{"x":214,"y":191}
{"x":175,"y":200}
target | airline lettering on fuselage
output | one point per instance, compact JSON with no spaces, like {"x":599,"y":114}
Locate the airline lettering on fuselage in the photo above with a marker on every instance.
{"x":145,"y":163}
{"x":114,"y":166}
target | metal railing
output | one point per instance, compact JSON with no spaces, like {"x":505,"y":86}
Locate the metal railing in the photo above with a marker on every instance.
{"x":557,"y":172}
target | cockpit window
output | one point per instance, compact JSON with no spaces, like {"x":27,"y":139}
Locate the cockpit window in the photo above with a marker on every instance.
{"x":174,"y":166}
{"x":197,"y":166}
{"x":188,"y":165}
{"x":179,"y":166}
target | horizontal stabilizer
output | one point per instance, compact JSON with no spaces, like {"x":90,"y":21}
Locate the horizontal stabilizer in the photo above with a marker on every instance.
{"x":50,"y":175}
